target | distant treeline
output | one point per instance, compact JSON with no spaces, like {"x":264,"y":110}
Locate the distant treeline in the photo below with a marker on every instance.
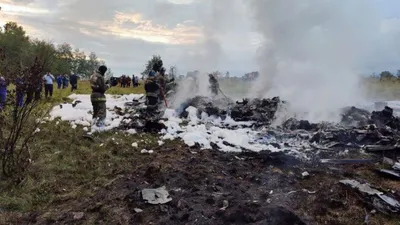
{"x":18,"y":50}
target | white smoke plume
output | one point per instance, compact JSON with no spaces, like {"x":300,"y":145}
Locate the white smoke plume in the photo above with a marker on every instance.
{"x":206,"y":56}
{"x":312,"y":52}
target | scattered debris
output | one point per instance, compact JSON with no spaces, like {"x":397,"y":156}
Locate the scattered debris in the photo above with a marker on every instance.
{"x":390,"y":173}
{"x":347,"y":161}
{"x":137,"y":210}
{"x":225,"y":205}
{"x":396,"y":166}
{"x":135,"y":145}
{"x":144,"y":151}
{"x":383,"y":203}
{"x":78,"y":215}
{"x":305,"y":174}
{"x":156,"y":196}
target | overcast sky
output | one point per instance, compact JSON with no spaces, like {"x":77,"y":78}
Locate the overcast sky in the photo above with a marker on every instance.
{"x":191,"y":34}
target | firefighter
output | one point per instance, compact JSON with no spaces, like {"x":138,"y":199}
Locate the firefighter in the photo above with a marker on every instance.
{"x":152,"y":89}
{"x":214,"y":85}
{"x":98,"y":98}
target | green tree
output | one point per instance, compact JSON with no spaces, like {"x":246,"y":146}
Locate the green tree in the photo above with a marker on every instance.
{"x":154,"y":63}
{"x":80,"y":65}
{"x":93,"y":64}
{"x":15,"y":45}
{"x":386,"y":75}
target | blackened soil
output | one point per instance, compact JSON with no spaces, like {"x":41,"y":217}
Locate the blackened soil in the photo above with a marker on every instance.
{"x":255,"y":188}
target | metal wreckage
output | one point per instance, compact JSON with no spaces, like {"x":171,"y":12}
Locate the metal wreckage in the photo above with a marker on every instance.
{"x":361,"y":137}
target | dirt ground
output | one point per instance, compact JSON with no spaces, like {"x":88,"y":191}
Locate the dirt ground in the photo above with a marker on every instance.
{"x":255,"y":188}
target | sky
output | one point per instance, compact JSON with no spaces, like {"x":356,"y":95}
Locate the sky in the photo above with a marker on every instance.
{"x":191,"y":34}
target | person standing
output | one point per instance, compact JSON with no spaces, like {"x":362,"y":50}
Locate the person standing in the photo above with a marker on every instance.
{"x":128,"y":81}
{"x":3,"y":92}
{"x":152,"y":89}
{"x":98,"y":98}
{"x":73,"y":80}
{"x":48,"y":88}
{"x":59,"y":81}
{"x":214,"y":85}
{"x":20,"y":91}
{"x":65,"y":81}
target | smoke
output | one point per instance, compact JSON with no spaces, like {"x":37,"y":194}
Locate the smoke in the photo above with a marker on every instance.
{"x":205,"y":57}
{"x":312,"y":52}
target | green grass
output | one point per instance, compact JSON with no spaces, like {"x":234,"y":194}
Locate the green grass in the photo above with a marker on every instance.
{"x":65,"y":165}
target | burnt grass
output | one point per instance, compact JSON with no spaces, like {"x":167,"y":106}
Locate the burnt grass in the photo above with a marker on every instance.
{"x":260,"y":188}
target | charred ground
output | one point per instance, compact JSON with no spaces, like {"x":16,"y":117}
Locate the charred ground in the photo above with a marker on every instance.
{"x":260,"y":188}
{"x":99,"y":181}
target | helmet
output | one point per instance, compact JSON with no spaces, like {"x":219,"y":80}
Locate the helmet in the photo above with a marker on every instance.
{"x":152,"y":73}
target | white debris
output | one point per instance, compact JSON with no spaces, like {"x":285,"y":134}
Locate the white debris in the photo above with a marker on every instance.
{"x":85,"y":129}
{"x":144,"y":151}
{"x":396,"y":166}
{"x":131,"y":131}
{"x":137,"y":210}
{"x":101,"y":145}
{"x":156,"y":196}
{"x":37,"y":130}
{"x":227,"y":135}
{"x":305,"y":174}
{"x":135,"y":145}
{"x":81,"y":113}
{"x":365,"y":188}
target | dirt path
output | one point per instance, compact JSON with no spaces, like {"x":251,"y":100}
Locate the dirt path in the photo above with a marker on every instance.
{"x":265,"y":188}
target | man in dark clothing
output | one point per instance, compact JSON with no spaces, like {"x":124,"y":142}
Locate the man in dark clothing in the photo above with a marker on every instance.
{"x":123,"y":81}
{"x":59,"y":81}
{"x":134,"y":81}
{"x":98,"y":98}
{"x":152,"y":89}
{"x":73,"y":80}
{"x":33,"y":90}
{"x":19,"y":87}
{"x":128,"y":81}
{"x":3,"y":92}
{"x":214,"y":86}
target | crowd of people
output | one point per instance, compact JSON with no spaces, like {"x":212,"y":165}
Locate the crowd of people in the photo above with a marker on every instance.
{"x":31,"y":90}
{"x":126,"y":81}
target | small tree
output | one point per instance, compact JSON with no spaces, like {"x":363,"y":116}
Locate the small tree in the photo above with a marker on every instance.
{"x":386,"y":75}
{"x":20,"y":122}
{"x":173,"y":71}
{"x":155,"y":63}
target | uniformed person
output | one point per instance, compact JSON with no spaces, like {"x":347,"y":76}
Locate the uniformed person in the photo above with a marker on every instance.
{"x":98,"y":98}
{"x":214,"y":85}
{"x":152,"y":89}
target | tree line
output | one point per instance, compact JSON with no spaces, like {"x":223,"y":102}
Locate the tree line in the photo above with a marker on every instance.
{"x":19,"y":50}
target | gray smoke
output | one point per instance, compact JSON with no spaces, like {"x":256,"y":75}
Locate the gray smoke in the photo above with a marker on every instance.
{"x":207,"y":54}
{"x":312,"y":52}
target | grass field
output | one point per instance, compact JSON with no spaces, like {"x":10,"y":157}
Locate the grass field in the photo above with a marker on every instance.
{"x":66,"y":166}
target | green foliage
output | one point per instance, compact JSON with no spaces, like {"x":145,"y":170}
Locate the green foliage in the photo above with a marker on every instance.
{"x":155,"y":63}
{"x":20,"y":51}
{"x":386,"y":75}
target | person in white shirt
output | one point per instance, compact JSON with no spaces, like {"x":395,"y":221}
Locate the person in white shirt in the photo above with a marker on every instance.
{"x":48,"y":84}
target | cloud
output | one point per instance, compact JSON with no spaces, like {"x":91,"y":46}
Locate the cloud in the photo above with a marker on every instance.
{"x":192,"y":34}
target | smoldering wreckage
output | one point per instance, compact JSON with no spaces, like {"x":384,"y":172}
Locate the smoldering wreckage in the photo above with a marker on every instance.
{"x":295,"y":173}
